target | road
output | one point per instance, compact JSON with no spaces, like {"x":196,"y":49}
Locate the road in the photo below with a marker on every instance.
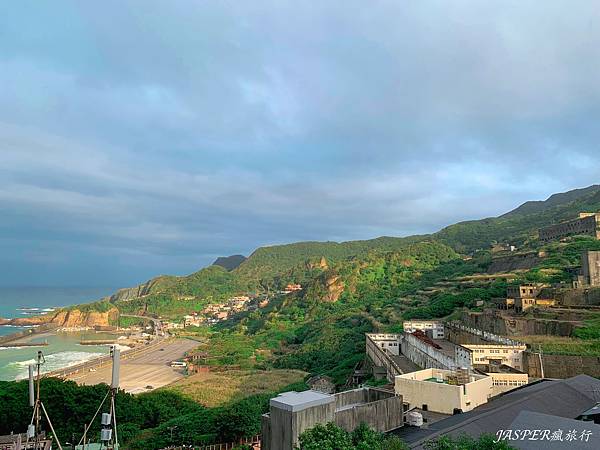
{"x":157,"y":323}
{"x":149,"y":368}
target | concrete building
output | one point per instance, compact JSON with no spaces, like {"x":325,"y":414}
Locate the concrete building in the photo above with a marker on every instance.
{"x":523,"y":304}
{"x":441,"y":354}
{"x":291,"y":413}
{"x":504,"y":378}
{"x":526,"y":296}
{"x":444,"y":391}
{"x":383,"y":351}
{"x":433,"y":328}
{"x":387,"y":341}
{"x":493,"y":353}
{"x":590,"y":268}
{"x":585,"y":224}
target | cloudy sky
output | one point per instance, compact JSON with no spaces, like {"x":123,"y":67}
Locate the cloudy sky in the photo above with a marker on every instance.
{"x":140,"y":138}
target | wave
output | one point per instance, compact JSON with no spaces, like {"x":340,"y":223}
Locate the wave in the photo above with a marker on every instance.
{"x":54,"y":361}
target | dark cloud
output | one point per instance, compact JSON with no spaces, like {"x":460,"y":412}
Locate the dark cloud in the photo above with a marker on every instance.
{"x":139,"y":138}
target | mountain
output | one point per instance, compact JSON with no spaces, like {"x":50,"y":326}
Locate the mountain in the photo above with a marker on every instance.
{"x":270,"y":263}
{"x":519,"y":226}
{"x":229,"y":262}
{"x":270,"y":268}
{"x":554,"y":201}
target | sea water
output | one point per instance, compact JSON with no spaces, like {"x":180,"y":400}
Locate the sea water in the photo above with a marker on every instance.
{"x":64,"y":348}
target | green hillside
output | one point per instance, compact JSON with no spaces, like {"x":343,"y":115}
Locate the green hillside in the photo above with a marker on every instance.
{"x":268,"y":263}
{"x":270,"y":268}
{"x":520,"y":225}
{"x":177,"y":296}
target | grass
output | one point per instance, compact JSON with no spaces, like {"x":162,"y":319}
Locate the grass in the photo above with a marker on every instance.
{"x":221,"y":387}
{"x":561,"y":345}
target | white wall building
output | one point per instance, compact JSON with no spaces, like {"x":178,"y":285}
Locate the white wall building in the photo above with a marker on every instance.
{"x":442,"y":391}
{"x":434,"y":328}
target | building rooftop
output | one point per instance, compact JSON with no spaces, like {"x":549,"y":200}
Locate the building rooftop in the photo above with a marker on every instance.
{"x":297,"y":401}
{"x":496,"y":368}
{"x":563,"y":398}
{"x":592,"y":411}
{"x":579,"y":440}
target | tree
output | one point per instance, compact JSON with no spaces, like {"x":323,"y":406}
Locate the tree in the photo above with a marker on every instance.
{"x":332,"y":437}
{"x":326,"y":437}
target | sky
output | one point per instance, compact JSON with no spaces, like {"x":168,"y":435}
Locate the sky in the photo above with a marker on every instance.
{"x":140,"y":138}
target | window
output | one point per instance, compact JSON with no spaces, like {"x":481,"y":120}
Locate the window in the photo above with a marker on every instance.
{"x":424,"y":407}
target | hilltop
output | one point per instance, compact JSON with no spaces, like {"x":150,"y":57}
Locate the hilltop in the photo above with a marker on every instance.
{"x":330,"y":268}
{"x":229,"y":262}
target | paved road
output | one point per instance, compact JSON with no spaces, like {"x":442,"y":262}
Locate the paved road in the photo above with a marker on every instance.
{"x":151,"y":368}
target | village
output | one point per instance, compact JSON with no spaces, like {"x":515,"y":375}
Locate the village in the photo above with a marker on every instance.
{"x":220,"y":312}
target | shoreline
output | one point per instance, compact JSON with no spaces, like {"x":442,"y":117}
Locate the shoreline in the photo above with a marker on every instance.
{"x":89,"y":357}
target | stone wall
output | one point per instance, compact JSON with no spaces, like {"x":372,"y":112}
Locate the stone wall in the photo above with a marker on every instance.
{"x":521,"y":261}
{"x":583,"y":226}
{"x":461,"y":334}
{"x":560,"y":366}
{"x":516,"y":326}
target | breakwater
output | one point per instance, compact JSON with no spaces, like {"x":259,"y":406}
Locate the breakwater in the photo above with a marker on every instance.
{"x":26,"y":333}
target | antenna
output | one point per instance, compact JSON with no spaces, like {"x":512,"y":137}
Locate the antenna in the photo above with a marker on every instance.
{"x":35,"y":401}
{"x":108,"y":433}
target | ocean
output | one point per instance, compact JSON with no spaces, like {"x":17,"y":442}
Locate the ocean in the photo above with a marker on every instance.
{"x":64,"y":348}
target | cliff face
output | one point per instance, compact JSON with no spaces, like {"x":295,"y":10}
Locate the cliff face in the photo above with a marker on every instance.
{"x":135,"y":292}
{"x":71,"y":318}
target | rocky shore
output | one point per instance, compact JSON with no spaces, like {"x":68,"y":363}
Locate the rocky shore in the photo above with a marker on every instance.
{"x":67,"y":318}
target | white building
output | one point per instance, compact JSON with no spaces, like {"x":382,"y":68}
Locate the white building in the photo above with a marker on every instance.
{"x":444,"y":391}
{"x":511,"y":355}
{"x":433,"y":328}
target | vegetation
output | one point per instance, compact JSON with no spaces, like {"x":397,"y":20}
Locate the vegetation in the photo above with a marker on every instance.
{"x":176,"y":296}
{"x":332,"y":437}
{"x":144,"y":419}
{"x":562,"y":345}
{"x":519,"y":226}
{"x":212,"y":389}
{"x":348,"y":289}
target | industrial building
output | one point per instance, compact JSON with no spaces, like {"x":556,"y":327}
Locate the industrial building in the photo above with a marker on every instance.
{"x":441,"y":354}
{"x":493,"y":353}
{"x":291,"y":413}
{"x":585,"y":224}
{"x":504,"y":378}
{"x":444,"y":391}
{"x":433,"y":328}
{"x":525,"y":296}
